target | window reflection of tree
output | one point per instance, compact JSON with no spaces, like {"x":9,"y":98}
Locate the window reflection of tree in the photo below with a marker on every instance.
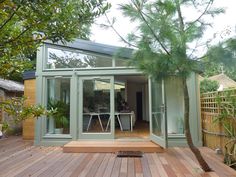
{"x":88,"y":95}
{"x":93,"y":98}
{"x":72,"y":60}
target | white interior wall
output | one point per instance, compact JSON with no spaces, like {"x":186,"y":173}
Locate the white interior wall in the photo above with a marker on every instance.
{"x":145,"y":103}
{"x":132,"y":88}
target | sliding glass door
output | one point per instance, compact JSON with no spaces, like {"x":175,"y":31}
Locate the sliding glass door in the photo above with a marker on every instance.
{"x":96,"y":108}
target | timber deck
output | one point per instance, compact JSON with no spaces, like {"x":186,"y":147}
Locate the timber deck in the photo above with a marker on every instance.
{"x":111,"y":146}
{"x":20,"y":159}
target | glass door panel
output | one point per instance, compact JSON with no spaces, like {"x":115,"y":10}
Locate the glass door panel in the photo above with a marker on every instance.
{"x":158,"y":114}
{"x":96,"y":105}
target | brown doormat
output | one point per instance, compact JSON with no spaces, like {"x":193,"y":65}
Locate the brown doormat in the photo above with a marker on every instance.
{"x":129,"y":154}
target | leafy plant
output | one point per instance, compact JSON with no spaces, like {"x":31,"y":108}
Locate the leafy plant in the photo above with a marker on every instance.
{"x":61,"y":115}
{"x":227,"y":117}
{"x":208,"y":86}
{"x":17,"y":109}
{"x":25,"y":24}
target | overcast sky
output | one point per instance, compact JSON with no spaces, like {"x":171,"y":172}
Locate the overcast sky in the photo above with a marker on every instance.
{"x":224,"y":24}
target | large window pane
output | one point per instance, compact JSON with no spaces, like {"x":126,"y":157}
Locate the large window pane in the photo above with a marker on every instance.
{"x":58,"y":97}
{"x":175,"y":106}
{"x":58,"y":58}
{"x":96,"y":105}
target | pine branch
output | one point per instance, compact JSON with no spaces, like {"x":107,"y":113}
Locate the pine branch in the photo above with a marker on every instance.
{"x":199,"y":58}
{"x":203,"y":13}
{"x":121,"y":37}
{"x":150,"y":28}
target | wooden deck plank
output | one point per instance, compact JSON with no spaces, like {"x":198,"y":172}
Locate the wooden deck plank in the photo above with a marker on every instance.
{"x":74,"y":166}
{"x":214,"y":163}
{"x":22,"y":151}
{"x":19,"y":167}
{"x":42,"y":163}
{"x":124,"y":167}
{"x":130,"y":168}
{"x":116,"y":168}
{"x":13,"y":161}
{"x":157,"y":162}
{"x":51,"y":161}
{"x":179,"y":168}
{"x":138,"y":167}
{"x":91,"y":170}
{"x":103,"y":165}
{"x":88,"y":166}
{"x":53,"y":169}
{"x":8,"y":150}
{"x":154,"y":171}
{"x":67,"y":167}
{"x":46,"y":165}
{"x":108,"y":170}
{"x":82,"y":165}
{"x":145,"y":165}
{"x":6,"y":141}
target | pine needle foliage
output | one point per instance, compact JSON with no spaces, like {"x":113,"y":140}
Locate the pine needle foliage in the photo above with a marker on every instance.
{"x":163,"y":37}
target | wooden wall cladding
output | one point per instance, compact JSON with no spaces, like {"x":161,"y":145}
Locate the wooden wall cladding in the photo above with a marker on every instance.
{"x":30,"y":94}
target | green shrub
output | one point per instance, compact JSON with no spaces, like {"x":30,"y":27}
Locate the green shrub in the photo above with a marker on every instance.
{"x":208,"y":86}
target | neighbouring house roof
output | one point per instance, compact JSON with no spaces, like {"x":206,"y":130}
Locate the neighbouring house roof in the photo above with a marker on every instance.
{"x":11,"y":86}
{"x":223,"y":80}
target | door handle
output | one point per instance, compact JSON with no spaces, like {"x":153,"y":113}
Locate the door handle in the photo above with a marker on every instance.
{"x":163,"y":108}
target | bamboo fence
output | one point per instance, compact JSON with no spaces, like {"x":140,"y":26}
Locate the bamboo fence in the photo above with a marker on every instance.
{"x":213,"y":132}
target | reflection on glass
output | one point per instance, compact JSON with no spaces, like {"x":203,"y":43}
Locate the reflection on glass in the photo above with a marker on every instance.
{"x":58,"y":97}
{"x":175,"y":104}
{"x":96,"y":105}
{"x":119,"y":95}
{"x":121,"y":62}
{"x":58,"y":58}
{"x":157,"y":115}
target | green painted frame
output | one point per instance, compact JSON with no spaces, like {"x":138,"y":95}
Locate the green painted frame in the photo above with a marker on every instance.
{"x":105,"y":135}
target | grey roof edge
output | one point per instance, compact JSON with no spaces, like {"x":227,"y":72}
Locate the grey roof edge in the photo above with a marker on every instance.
{"x":95,"y":47}
{"x":11,"y":86}
{"x":27,"y":75}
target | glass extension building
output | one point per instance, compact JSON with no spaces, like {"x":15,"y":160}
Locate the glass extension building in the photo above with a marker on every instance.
{"x":98,"y":96}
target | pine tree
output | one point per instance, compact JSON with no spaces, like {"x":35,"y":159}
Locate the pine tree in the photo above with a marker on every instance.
{"x":162,"y":40}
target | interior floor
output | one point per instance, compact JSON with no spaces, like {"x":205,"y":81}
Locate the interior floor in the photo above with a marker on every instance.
{"x":140,"y":130}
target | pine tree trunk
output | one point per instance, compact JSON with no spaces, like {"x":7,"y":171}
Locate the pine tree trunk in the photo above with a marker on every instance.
{"x":188,"y":135}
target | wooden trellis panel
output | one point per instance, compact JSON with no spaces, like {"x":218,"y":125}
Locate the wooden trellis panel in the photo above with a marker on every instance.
{"x":213,"y":132}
